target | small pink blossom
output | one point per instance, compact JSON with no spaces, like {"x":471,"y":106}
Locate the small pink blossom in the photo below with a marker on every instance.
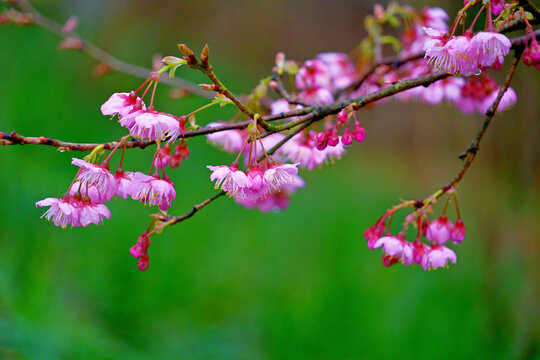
{"x":341,"y":69}
{"x":487,"y":47}
{"x":149,"y":124}
{"x":438,"y":256}
{"x":450,"y":55}
{"x":396,"y":246}
{"x":419,"y":250}
{"x":62,"y":212}
{"x":228,"y":140}
{"x":278,"y":176}
{"x":439,"y":230}
{"x":273,"y":201}
{"x":230,"y":179}
{"x":313,"y":74}
{"x":123,"y":183}
{"x":531,"y":55}
{"x":122,"y":104}
{"x":152,"y":190}
{"x":97,"y":176}
{"x":497,"y":6}
{"x":89,"y":213}
{"x":458,"y":232}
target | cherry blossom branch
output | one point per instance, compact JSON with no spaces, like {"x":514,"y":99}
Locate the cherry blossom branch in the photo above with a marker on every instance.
{"x":101,"y":55}
{"x":470,"y":153}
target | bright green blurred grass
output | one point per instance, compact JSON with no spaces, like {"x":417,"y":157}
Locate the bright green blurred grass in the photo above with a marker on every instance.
{"x":228,"y":283}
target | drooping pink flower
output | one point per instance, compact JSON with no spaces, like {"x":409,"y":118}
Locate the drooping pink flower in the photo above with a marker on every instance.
{"x":313,"y":74}
{"x":487,"y":47}
{"x":277,"y":176}
{"x":508,"y":99}
{"x":273,"y":201}
{"x":531,"y":54}
{"x":479,"y":92}
{"x":98,"y":176}
{"x":122,"y":104}
{"x":62,"y":212}
{"x":152,"y":190}
{"x":230,"y":179}
{"x":419,"y":250}
{"x":90,"y":213}
{"x":438,"y":256}
{"x":458,"y":232}
{"x":449,"y":54}
{"x":397,"y":247}
{"x":123,"y":183}
{"x":228,"y":140}
{"x":439,"y":230}
{"x":149,"y":124}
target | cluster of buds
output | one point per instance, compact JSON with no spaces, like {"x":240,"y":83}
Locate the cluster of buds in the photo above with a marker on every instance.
{"x":431,"y":254}
{"x":330,"y":136}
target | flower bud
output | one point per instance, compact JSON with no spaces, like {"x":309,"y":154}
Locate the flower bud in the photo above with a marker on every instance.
{"x":346,"y":139}
{"x":358,"y":134}
{"x":458,"y":232}
{"x":333,"y":139}
{"x":322,"y":140}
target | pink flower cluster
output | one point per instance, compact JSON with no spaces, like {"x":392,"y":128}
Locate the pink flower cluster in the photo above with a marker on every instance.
{"x":265,"y":187}
{"x":93,"y":185}
{"x":466,"y":54}
{"x":396,"y":248}
{"x":143,"y":122}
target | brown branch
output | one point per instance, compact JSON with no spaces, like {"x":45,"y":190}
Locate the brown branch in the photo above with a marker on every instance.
{"x":102,"y":56}
{"x":171,"y":220}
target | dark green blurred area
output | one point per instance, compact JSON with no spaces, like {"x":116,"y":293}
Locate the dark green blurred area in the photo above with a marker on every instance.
{"x":237,"y":284}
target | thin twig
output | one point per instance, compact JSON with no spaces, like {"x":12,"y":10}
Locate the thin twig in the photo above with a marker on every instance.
{"x":102,"y":56}
{"x":470,"y":153}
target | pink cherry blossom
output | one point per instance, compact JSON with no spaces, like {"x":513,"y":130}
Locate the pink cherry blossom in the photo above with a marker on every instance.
{"x":438,"y":256}
{"x":438,"y":231}
{"x":273,"y":201}
{"x":487,"y":47}
{"x":531,"y":55}
{"x":458,"y":232}
{"x":419,"y":250}
{"x":396,"y":246}
{"x":97,"y":176}
{"x":62,"y":212}
{"x":229,"y":140}
{"x":123,"y":183}
{"x":277,"y":176}
{"x":149,"y":124}
{"x":122,"y":104}
{"x":342,"y":70}
{"x":450,"y":55}
{"x":313,"y":74}
{"x":230,"y":179}
{"x":90,"y":213}
{"x":152,"y":190}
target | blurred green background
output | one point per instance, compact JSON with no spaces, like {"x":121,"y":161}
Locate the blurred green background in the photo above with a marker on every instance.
{"x":237,"y":284}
